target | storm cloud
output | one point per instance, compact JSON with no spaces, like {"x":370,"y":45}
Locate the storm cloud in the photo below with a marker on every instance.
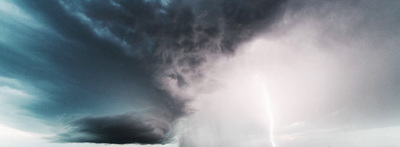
{"x":107,"y":66}
{"x":120,"y":129}
{"x":199,"y":73}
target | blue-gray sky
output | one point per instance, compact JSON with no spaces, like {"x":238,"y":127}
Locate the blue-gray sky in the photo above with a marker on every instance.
{"x":188,"y":73}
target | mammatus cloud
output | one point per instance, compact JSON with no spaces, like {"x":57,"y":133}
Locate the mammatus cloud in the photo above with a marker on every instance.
{"x":110,"y":63}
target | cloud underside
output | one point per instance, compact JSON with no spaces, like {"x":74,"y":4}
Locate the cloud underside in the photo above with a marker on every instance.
{"x":118,"y":129}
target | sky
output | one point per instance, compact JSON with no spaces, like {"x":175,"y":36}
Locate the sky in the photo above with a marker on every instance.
{"x":200,"y":73}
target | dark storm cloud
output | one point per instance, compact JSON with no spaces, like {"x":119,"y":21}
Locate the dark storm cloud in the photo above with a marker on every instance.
{"x":120,"y":129}
{"x":114,"y":57}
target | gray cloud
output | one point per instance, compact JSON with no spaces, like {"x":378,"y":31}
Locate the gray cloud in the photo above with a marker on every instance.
{"x":120,"y":129}
{"x":121,"y":72}
{"x":101,"y":62}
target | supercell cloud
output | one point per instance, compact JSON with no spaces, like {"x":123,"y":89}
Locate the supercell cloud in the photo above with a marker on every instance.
{"x":104,"y":65}
{"x":182,"y":72}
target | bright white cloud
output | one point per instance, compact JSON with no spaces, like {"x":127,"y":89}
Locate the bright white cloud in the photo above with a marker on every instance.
{"x":330,"y":79}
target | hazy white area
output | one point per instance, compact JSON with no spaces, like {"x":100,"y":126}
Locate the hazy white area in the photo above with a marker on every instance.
{"x":332,"y":77}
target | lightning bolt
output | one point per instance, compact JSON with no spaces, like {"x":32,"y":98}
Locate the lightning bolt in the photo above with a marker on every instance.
{"x":270,"y":114}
